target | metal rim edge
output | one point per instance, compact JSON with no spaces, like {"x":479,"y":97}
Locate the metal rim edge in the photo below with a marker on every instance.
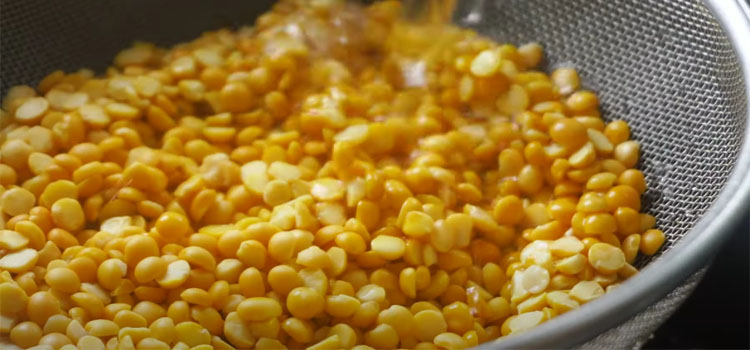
{"x":691,"y":253}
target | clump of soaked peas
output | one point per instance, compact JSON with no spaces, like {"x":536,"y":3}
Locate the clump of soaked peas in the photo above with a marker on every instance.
{"x":331,"y":178}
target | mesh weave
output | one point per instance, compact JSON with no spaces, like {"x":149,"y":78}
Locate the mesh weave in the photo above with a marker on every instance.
{"x":638,"y":330}
{"x":664,"y":66}
{"x":39,"y":36}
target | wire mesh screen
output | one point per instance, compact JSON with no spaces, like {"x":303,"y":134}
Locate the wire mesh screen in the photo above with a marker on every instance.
{"x":41,"y":36}
{"x":664,"y":66}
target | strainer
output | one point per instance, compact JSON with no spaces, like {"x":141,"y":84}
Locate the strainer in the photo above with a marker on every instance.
{"x":673,"y":69}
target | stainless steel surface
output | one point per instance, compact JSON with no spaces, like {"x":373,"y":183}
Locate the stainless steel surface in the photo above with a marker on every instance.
{"x":673,"y":69}
{"x":637,"y":330}
{"x":678,"y":71}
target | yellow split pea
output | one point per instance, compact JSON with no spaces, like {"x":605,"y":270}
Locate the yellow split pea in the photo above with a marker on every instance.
{"x":321,"y":187}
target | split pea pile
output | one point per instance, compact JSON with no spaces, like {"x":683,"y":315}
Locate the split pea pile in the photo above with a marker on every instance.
{"x":331,"y":178}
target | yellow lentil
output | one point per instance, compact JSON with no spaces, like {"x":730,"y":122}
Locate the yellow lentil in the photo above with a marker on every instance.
{"x":17,"y":201}
{"x":304,"y":302}
{"x":26,"y":334}
{"x":651,"y":241}
{"x":258,"y":309}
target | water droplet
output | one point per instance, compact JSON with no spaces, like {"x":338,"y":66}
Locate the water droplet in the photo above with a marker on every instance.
{"x":565,"y":64}
{"x":660,"y":169}
{"x":668,"y":191}
{"x":472,"y":18}
{"x":690,"y":214}
{"x":474,"y":14}
{"x":669,"y":218}
{"x":625,"y":108}
{"x":414,"y":73}
{"x":661,"y":33}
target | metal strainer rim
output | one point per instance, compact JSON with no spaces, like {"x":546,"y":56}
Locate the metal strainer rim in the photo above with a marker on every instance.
{"x":664,"y":66}
{"x":691,"y":253}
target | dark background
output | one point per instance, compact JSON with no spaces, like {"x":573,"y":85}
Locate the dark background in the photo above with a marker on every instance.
{"x":717,"y":314}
